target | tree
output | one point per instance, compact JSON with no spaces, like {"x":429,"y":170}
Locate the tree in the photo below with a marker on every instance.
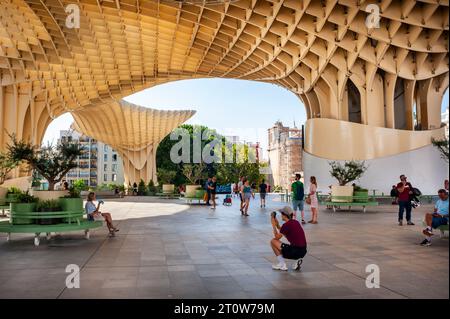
{"x":194,"y":172}
{"x":166,"y":176}
{"x":442,"y":146}
{"x":348,"y":172}
{"x":6,"y":166}
{"x":53,"y":163}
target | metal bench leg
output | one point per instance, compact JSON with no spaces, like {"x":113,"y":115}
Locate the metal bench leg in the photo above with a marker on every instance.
{"x":364,"y":209}
{"x":87,"y":234}
{"x":36,"y":239}
{"x":49,"y":236}
{"x":334,"y":209}
{"x":8,"y":237}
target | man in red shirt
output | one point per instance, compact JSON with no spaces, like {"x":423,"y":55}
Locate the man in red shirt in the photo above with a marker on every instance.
{"x":293,"y":231}
{"x":405,"y":190}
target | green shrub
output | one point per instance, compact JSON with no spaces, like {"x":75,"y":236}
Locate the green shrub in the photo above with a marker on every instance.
{"x":51,"y":205}
{"x":142,"y":188}
{"x":26,"y":198}
{"x":152,"y":189}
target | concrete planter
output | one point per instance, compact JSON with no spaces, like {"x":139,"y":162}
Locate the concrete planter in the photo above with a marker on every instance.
{"x":341,"y":194}
{"x":168,"y":188}
{"x":191,"y":190}
{"x":49,"y":195}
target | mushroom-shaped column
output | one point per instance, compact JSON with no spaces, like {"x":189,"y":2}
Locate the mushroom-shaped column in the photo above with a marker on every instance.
{"x":133,"y":131}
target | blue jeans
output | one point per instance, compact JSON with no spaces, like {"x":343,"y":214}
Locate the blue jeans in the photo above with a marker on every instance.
{"x":402,"y":206}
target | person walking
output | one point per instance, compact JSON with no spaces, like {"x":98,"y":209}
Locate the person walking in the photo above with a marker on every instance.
{"x":208,"y":191}
{"x":314,"y":202}
{"x":212,"y":190}
{"x":405,"y":190}
{"x":240,"y":185}
{"x":247,"y":194}
{"x":262,"y":193}
{"x":298,"y":195}
{"x":232,"y":187}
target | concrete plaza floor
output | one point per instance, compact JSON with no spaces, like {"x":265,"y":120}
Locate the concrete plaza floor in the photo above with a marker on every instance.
{"x":167,"y":249}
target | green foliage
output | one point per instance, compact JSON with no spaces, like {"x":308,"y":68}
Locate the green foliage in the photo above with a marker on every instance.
{"x":358,"y":188}
{"x":442,"y":145}
{"x":80,"y":185}
{"x":7,"y":164}
{"x":142,"y":188}
{"x":194,"y":172}
{"x":14,"y":190}
{"x":26,"y":198}
{"x":53,"y":163}
{"x":51,"y":205}
{"x":166,"y":176}
{"x":152,"y":189}
{"x":348,"y":172}
{"x":36,"y":179}
{"x":73,"y":192}
{"x":236,"y":162}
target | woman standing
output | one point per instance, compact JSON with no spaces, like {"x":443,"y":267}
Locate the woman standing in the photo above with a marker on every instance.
{"x":247,"y":193}
{"x":314,"y":201}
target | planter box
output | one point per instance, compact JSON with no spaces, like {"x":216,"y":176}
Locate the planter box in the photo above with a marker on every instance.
{"x":49,"y":195}
{"x":22,"y":208}
{"x":341,"y":194}
{"x":168,"y":188}
{"x":191,"y":190}
{"x":71,"y":204}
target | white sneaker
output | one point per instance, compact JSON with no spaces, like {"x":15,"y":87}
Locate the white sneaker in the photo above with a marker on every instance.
{"x":280,"y":266}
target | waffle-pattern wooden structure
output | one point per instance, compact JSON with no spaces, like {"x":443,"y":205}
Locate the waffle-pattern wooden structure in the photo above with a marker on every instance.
{"x":340,"y":57}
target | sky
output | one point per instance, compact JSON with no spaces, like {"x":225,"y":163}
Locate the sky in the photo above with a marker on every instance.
{"x":232,"y":107}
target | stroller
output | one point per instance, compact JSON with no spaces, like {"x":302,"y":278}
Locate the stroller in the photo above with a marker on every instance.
{"x":415,"y":201}
{"x":227,"y":201}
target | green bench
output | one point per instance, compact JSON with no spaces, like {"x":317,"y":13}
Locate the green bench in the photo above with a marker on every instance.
{"x":168,"y":195}
{"x":199,"y":195}
{"x":83,"y":224}
{"x":442,"y":229}
{"x":46,"y":222}
{"x":349,"y":201}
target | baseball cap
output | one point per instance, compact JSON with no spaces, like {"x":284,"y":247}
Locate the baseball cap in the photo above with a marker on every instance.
{"x":286,"y":210}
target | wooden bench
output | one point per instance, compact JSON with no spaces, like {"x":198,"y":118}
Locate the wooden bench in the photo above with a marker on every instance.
{"x":27,"y":222}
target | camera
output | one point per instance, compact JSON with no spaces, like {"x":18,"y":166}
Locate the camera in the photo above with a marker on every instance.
{"x":101,"y":202}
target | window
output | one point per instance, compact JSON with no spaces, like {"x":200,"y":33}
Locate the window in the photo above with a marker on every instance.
{"x":105,"y":157}
{"x":105,"y":177}
{"x":114,"y":168}
{"x":114,"y":177}
{"x":105,"y":167}
{"x":114,"y":157}
{"x":105,"y":148}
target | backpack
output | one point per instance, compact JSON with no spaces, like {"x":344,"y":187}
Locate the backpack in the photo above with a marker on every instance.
{"x":299,"y":191}
{"x":416,"y":192}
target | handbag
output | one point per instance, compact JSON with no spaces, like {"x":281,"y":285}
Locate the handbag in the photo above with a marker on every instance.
{"x":308,"y":200}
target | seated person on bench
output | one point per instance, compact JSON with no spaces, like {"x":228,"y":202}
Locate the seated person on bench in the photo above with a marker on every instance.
{"x":438,"y":218}
{"x":293,"y":231}
{"x":93,"y":213}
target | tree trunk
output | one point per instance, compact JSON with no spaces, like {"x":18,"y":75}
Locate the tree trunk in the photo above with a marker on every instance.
{"x":51,"y":186}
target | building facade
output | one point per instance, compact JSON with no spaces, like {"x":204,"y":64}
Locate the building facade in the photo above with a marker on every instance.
{"x":99,"y":163}
{"x":285,"y":154}
{"x":445,"y":121}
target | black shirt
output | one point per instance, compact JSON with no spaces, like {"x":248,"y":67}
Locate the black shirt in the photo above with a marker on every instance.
{"x":214,"y":187}
{"x":263,"y":188}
